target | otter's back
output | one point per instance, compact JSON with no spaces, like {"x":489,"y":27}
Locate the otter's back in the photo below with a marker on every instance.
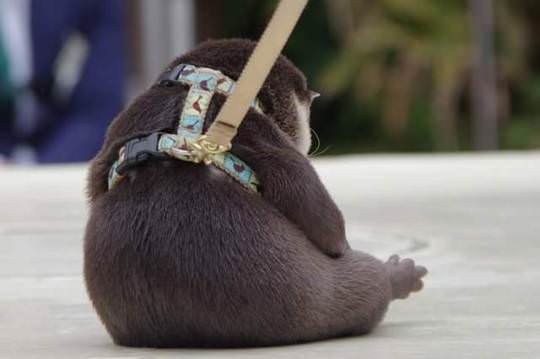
{"x":180,"y":250}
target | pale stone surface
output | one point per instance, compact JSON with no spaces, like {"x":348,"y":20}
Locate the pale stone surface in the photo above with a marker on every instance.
{"x":473,"y":220}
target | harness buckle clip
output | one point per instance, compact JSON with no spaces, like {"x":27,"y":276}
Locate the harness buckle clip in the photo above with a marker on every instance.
{"x":139,"y":150}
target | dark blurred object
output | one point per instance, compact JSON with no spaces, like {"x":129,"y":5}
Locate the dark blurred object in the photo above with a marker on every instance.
{"x":72,"y":95}
{"x":6,"y":100}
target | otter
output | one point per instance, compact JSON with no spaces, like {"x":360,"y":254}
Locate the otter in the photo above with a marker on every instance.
{"x":180,"y":255}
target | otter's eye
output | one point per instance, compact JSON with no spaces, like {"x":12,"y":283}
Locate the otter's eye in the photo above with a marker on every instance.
{"x":314,"y":95}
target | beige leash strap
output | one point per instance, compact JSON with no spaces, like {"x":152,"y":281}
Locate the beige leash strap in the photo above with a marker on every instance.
{"x":272,"y":42}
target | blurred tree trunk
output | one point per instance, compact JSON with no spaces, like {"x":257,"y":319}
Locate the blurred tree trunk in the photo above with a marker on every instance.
{"x":134,"y":34}
{"x":209,"y":19}
{"x":445,"y":104}
{"x":399,"y":97}
{"x":484,"y":82}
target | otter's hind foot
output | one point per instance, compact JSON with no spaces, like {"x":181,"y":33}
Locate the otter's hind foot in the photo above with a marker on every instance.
{"x":405,"y":276}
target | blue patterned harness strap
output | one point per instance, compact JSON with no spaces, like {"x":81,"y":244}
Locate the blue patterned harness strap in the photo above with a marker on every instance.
{"x":204,"y":83}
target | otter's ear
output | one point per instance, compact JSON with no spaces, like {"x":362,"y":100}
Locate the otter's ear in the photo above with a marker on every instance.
{"x":314,"y":95}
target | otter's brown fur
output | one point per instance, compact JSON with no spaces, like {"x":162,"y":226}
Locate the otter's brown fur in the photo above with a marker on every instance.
{"x":178,"y":256}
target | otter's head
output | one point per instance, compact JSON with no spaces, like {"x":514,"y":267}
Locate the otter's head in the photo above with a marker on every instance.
{"x":285,"y":95}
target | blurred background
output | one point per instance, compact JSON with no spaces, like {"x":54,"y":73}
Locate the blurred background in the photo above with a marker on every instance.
{"x":396,"y":75}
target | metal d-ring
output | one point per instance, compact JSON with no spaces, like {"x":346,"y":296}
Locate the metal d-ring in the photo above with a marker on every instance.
{"x":181,"y":154}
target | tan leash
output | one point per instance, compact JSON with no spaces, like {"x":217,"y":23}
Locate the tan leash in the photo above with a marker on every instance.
{"x":220,"y":135}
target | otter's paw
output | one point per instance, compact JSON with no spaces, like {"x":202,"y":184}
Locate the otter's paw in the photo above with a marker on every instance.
{"x":405,"y":276}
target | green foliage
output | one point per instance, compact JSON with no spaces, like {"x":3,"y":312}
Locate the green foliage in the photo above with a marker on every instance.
{"x":395,"y":74}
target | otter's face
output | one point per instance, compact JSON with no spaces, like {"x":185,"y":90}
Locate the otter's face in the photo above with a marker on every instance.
{"x":290,"y":103}
{"x":302,"y":136}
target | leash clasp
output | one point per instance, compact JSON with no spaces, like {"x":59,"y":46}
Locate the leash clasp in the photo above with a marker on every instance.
{"x":204,"y":151}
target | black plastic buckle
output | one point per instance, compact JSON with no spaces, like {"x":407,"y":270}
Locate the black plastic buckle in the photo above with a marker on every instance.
{"x":140,"y":150}
{"x":170,"y":77}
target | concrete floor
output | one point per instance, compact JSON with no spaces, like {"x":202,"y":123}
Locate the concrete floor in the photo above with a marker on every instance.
{"x":473,"y":220}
